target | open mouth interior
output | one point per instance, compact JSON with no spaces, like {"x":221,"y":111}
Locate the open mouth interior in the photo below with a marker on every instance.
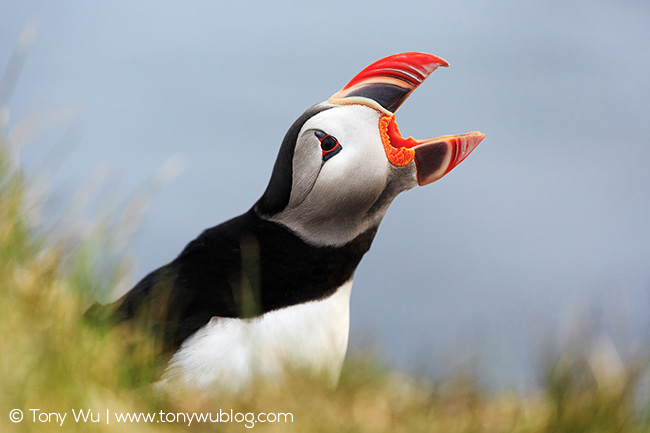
{"x":434,"y":157}
{"x":399,"y":150}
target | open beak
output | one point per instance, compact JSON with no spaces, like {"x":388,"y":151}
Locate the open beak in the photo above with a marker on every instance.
{"x":434,"y":157}
{"x":384,"y":86}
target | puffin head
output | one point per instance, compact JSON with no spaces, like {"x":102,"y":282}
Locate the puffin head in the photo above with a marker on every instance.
{"x":344,"y":160}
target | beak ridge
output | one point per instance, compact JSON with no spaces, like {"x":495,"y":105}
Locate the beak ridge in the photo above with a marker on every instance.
{"x":385,"y":84}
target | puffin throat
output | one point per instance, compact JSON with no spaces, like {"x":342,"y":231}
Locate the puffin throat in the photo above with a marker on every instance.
{"x":434,"y":157}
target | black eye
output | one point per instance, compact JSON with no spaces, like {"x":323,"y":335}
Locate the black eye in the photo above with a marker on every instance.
{"x":328,"y":143}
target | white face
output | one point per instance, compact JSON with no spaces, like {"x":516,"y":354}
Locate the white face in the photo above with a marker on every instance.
{"x":334,"y":200}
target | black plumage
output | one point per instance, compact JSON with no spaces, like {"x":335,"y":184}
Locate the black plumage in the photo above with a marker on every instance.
{"x":242,"y":268}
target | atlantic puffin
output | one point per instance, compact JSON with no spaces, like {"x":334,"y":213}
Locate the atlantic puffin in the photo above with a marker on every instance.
{"x":270,"y":289}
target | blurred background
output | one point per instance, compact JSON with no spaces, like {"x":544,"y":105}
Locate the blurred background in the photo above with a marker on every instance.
{"x":541,"y":235}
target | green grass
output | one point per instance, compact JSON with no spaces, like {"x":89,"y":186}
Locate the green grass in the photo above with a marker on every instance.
{"x":52,"y":360}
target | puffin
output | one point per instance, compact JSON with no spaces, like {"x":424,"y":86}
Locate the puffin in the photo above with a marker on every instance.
{"x":268,"y":292}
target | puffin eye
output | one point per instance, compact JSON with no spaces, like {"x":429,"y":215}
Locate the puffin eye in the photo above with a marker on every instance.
{"x":328,"y":143}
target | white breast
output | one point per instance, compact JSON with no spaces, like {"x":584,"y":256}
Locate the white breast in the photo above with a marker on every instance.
{"x":228,"y":353}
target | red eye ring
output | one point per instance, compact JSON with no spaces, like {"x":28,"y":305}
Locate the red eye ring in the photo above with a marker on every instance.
{"x":328,"y":143}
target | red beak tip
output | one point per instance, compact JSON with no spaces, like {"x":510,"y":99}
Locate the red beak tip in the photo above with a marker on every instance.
{"x":435,"y":63}
{"x":469,"y":143}
{"x":477,"y":137}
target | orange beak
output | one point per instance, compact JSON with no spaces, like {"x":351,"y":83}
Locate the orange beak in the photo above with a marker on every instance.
{"x":434,"y":157}
{"x":384,"y":86}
